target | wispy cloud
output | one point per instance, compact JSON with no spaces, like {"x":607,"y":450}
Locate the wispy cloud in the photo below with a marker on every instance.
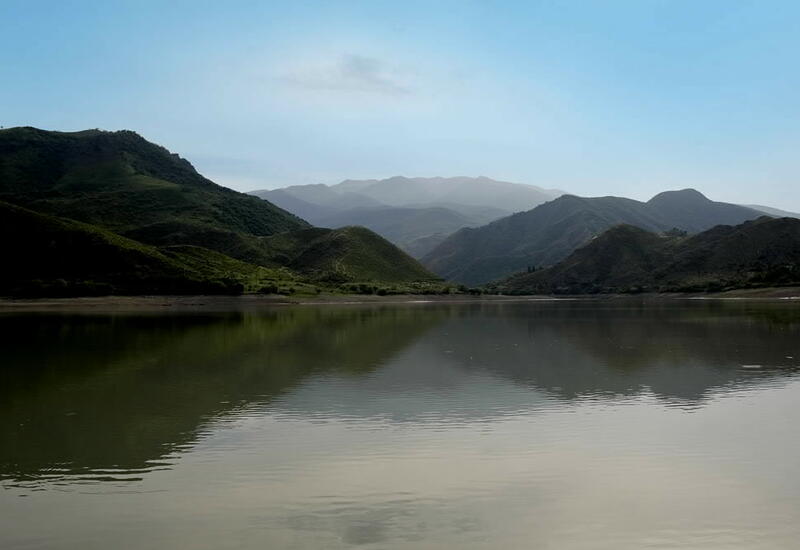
{"x":349,"y":73}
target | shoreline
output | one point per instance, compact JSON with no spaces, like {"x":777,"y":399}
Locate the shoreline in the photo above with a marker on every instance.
{"x":242,"y":302}
{"x":254,"y":301}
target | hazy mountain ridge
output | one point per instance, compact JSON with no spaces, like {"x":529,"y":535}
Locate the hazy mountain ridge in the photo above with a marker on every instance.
{"x":403,"y":226}
{"x":761,"y":252}
{"x":774,"y":212}
{"x":414,"y":213}
{"x":478,"y":191}
{"x":550,"y":232}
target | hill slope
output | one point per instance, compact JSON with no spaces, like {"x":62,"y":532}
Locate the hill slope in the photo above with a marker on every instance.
{"x":120,"y":181}
{"x":345,"y":254}
{"x":59,"y":257}
{"x":774,"y":212}
{"x":763,"y":252}
{"x":550,"y":232}
{"x":691,"y":211}
{"x":128,"y":189}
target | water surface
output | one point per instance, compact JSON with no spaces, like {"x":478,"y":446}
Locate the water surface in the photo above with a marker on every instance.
{"x":607,"y":424}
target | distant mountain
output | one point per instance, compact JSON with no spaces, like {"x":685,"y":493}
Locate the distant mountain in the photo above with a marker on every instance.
{"x":414,"y":213}
{"x":414,"y":230}
{"x":159,"y":220}
{"x":762,"y":252}
{"x":774,"y":212}
{"x":691,"y":211}
{"x":550,"y":232}
{"x":420,"y":246}
{"x":402,"y":226}
{"x":306,"y":210}
{"x":480,"y":191}
{"x":320,"y":195}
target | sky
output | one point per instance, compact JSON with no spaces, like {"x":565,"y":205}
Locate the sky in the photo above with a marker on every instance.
{"x":624,"y":98}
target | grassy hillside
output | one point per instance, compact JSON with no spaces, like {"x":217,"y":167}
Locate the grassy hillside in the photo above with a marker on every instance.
{"x":122,"y":182}
{"x":50,"y":256}
{"x":127,"y":216}
{"x":550,"y":232}
{"x":763,"y":252}
{"x":345,"y":254}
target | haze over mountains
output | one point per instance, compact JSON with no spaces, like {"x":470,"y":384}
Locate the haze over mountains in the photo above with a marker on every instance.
{"x":109,"y":212}
{"x":774,"y":212}
{"x":414,"y":213}
{"x":550,"y":232}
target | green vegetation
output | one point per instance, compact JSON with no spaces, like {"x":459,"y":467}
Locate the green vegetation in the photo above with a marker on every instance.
{"x":46,"y":255}
{"x":122,"y":182}
{"x":346,"y":254}
{"x":51,"y":256}
{"x":96,"y":213}
{"x":625,"y":259}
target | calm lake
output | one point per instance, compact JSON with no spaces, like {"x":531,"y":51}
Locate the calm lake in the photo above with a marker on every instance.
{"x":616,"y":424}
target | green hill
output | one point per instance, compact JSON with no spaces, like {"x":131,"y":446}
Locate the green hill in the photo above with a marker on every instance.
{"x":46,"y":255}
{"x":550,"y":232}
{"x":122,"y":182}
{"x":128,"y":217}
{"x":346,"y":254}
{"x":763,"y":252}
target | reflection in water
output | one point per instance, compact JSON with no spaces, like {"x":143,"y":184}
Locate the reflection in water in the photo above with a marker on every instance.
{"x":573,"y":424}
{"x":90,"y":394}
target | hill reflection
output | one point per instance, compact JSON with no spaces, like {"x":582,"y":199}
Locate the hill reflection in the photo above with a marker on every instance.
{"x":120,"y":393}
{"x":113,"y":397}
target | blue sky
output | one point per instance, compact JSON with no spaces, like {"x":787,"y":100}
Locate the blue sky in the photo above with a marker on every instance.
{"x":598,"y":98}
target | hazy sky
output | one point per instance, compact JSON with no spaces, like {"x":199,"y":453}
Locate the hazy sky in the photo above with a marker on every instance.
{"x":597,"y":98}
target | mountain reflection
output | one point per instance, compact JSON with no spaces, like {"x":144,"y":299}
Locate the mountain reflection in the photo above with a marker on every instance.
{"x":678,"y":350}
{"x":86,"y":393}
{"x":116,"y":396}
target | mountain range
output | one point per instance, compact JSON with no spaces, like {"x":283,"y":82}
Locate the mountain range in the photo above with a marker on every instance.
{"x":548,"y":233}
{"x":110,"y":212}
{"x":414,"y":213}
{"x":96,"y":212}
{"x":756,"y":253}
